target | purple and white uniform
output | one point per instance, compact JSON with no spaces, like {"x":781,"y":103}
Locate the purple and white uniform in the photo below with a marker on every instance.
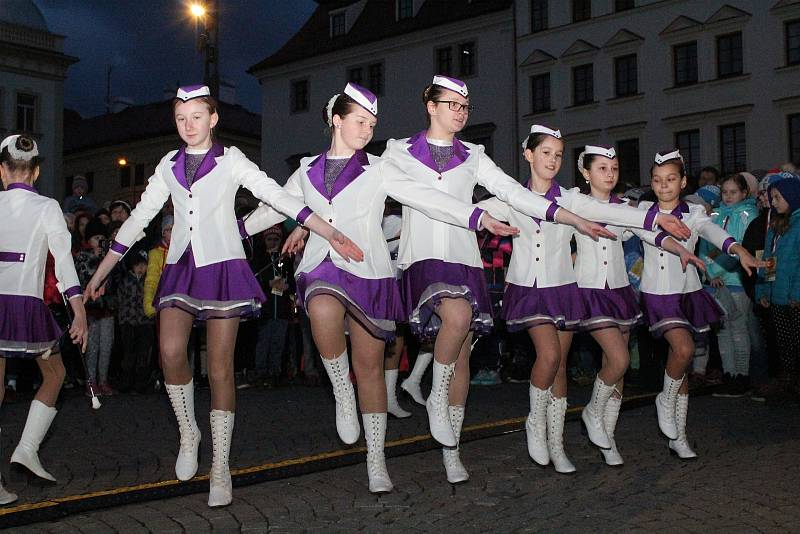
{"x":206,"y":273}
{"x":27,"y":328}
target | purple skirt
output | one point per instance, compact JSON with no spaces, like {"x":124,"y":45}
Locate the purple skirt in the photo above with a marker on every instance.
{"x":27,"y":328}
{"x":610,"y":308}
{"x":526,"y":307}
{"x":425,"y":283}
{"x":374,"y":303}
{"x":218,"y":291}
{"x":695,"y":311}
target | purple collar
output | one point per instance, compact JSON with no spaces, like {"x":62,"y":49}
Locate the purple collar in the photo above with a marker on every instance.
{"x":352,"y":170}
{"x":206,"y":166}
{"x":678,"y":212}
{"x":19,"y":185}
{"x":551,"y":194}
{"x":418,"y":147}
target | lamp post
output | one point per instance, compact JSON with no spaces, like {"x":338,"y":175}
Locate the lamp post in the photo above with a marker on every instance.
{"x":208,"y":40}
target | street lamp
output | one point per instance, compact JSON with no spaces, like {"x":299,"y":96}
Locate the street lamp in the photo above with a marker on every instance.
{"x":208,"y":41}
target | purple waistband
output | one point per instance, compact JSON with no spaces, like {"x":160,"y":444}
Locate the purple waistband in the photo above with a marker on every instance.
{"x":12,"y":256}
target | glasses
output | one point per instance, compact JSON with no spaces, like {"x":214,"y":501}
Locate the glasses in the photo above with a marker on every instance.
{"x":456,"y":106}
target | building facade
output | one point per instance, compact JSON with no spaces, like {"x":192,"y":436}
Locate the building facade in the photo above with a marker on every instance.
{"x":33,"y":67}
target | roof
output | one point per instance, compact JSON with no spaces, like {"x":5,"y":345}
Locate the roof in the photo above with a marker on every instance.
{"x":22,"y":13}
{"x":314,"y":39}
{"x":147,"y":121}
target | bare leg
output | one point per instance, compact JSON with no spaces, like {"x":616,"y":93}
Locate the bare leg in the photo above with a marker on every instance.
{"x":52,"y":379}
{"x":368,"y":366}
{"x":456,"y":316}
{"x":615,"y":354}
{"x":221,"y":342}
{"x":550,"y":368}
{"x":681,"y":350}
{"x":174,"y":327}
{"x":327,"y":325}
{"x":459,"y":385}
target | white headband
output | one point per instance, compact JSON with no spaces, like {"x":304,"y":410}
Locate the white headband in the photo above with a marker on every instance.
{"x":10,"y":142}
{"x":329,"y":109}
{"x":192,"y":91}
{"x":662,"y":158}
{"x":539,"y":129}
{"x":451,"y":83}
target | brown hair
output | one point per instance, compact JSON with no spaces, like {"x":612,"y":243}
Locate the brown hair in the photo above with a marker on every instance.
{"x":431,"y":93}
{"x":209,"y":101}
{"x":342,"y":106}
{"x":740,"y":182}
{"x":779,"y":222}
{"x":23,"y":143}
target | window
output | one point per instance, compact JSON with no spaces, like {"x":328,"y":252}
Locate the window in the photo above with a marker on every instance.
{"x":729,"y":55}
{"x":26,"y":113}
{"x":299,"y":96}
{"x":688,"y":142}
{"x":582,"y":85}
{"x":466,"y":59}
{"x":684,"y":57}
{"x":444,"y":60}
{"x":138,"y":174}
{"x":581,"y":10}
{"x":124,"y":176}
{"x":623,"y":5}
{"x":540,"y":93}
{"x":355,"y":75}
{"x":628,"y":154}
{"x":793,"y":42}
{"x":794,"y":138}
{"x":338,"y":23}
{"x":375,"y":82}
{"x":538,"y":15}
{"x":626,"y":80}
{"x":733,"y":148}
{"x":405,"y":9}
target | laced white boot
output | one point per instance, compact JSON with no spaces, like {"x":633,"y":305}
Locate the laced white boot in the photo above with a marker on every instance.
{"x":556,"y":412}
{"x":411,"y":384}
{"x":6,"y":497}
{"x":665,"y":406}
{"x":346,"y":414}
{"x":437,"y":404}
{"x":681,"y":446}
{"x":392,"y":406}
{"x":456,"y":473}
{"x":593,"y":412}
{"x":375,"y":436}
{"x":40,"y":417}
{"x":220,"y":491}
{"x":612,"y":455}
{"x":536,"y":425}
{"x":182,"y":399}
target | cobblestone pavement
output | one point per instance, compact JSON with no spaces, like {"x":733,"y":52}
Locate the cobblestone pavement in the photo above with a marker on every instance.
{"x":744,"y":481}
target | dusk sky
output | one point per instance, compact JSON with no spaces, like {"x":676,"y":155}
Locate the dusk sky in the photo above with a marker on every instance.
{"x":151,"y":45}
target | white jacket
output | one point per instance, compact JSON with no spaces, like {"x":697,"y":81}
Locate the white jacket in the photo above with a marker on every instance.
{"x":355,"y":207}
{"x":424,"y":238}
{"x":541,"y":251}
{"x":663,"y":274}
{"x":34,"y":225}
{"x":204,"y":212}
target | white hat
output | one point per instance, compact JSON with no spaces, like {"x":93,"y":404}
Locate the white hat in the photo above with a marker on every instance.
{"x":363,"y":97}
{"x":451,"y":83}
{"x":606,"y":152}
{"x":10,"y":142}
{"x":663,"y":157}
{"x":189,"y":92}
{"x":539,"y":129}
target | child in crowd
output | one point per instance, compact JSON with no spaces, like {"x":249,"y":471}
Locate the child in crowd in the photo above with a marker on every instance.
{"x":136,"y":327}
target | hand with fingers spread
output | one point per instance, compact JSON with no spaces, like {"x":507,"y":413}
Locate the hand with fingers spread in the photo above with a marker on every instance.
{"x":496,"y":227}
{"x":345,"y":247}
{"x":594,"y":230}
{"x":747,"y":261}
{"x":296,"y":241}
{"x":673,"y":225}
{"x":687,"y":258}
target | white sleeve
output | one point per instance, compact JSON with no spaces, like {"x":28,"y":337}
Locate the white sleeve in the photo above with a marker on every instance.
{"x":59,"y":242}
{"x":496,"y":208}
{"x":512,"y":192}
{"x":153,"y":199}
{"x":265,"y":215}
{"x":616,"y":214}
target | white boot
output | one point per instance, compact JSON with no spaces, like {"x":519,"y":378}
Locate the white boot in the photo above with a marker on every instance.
{"x":411,"y":384}
{"x":220,"y":491}
{"x":665,"y":406}
{"x":6,"y":497}
{"x":612,"y":455}
{"x":346,"y":415}
{"x":182,"y":399}
{"x":536,"y":425}
{"x":392,"y":406}
{"x":593,"y":412}
{"x":451,"y":456}
{"x":375,"y":436}
{"x":438,"y":416}
{"x":681,"y":446}
{"x":556,"y":412}
{"x":40,"y":417}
